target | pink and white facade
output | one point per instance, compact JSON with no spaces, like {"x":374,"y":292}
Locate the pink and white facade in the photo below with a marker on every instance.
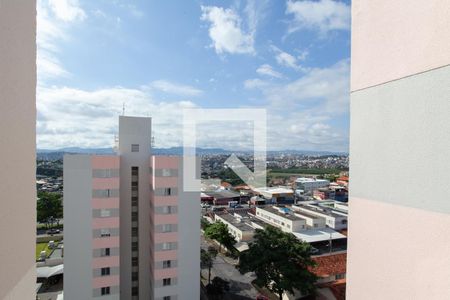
{"x":399,"y":245}
{"x":130,"y":230}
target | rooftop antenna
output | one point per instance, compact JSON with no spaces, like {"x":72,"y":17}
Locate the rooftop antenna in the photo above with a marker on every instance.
{"x":123,"y":109}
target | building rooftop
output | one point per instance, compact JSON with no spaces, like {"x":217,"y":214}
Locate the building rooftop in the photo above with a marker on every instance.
{"x":321,"y":210}
{"x":306,"y":179}
{"x":274,"y":190}
{"x":236,"y":222}
{"x":307,"y":215}
{"x":222,"y":194}
{"x":276,"y":210}
{"x":330,"y":265}
{"x":318,"y":235}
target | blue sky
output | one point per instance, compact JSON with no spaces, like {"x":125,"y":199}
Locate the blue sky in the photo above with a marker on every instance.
{"x":158,"y":57}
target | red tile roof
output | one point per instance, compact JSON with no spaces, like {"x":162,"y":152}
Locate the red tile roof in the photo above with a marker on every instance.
{"x":336,"y":287}
{"x":329,"y":265}
{"x":225,"y":184}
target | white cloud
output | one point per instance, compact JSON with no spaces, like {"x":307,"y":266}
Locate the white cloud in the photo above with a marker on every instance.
{"x":300,"y":111}
{"x":88,"y":118}
{"x":67,"y":10}
{"x":322,"y":15}
{"x":175,"y":88}
{"x":287,"y":60}
{"x":47,"y":32}
{"x":226,"y":30}
{"x":267,"y":70}
{"x":328,"y":88}
{"x":50,"y":30}
{"x":49,"y":66}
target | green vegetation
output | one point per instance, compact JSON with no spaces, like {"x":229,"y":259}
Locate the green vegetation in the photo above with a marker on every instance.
{"x":219,"y":232}
{"x":207,"y":260}
{"x":280,"y":262}
{"x":204,"y":224}
{"x":49,"y":169}
{"x":49,"y":208}
{"x":229,"y":176}
{"x":42,"y":247}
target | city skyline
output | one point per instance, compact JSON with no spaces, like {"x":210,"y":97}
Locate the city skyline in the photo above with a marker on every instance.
{"x":95,"y":58}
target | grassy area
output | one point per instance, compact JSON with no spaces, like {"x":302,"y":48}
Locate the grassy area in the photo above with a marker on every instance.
{"x":42,"y":247}
{"x":43,"y":226}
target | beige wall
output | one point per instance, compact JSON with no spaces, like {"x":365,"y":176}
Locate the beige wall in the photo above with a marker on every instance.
{"x":392,"y":39}
{"x":17,"y":149}
{"x":399,"y":213}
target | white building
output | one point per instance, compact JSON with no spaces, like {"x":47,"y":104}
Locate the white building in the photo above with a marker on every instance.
{"x":281,"y":217}
{"x":237,"y":227}
{"x":332,"y":218}
{"x":130,"y":231}
{"x":275,"y":195}
{"x":304,"y":185}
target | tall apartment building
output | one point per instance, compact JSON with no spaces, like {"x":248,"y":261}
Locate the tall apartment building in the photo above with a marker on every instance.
{"x":18,"y":149}
{"x":131,"y":232}
{"x":399,"y":211}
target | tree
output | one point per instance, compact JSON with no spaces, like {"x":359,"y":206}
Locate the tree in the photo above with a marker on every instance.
{"x":49,"y":208}
{"x":204,"y":224}
{"x":207,"y":260}
{"x":218,"y":286}
{"x":280,"y":262}
{"x":219,"y":232}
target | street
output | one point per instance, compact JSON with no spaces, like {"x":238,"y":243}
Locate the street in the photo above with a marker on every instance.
{"x":240,"y":285}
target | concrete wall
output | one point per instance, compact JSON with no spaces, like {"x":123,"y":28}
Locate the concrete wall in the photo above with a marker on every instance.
{"x":399,"y":213}
{"x":77,"y":227}
{"x":135,"y":130}
{"x":18,"y":147}
{"x":189,"y":240}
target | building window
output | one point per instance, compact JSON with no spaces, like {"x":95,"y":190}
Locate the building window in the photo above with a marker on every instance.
{"x":166,"y":228}
{"x":134,"y":170}
{"x":134,"y":232}
{"x":134,"y":291}
{"x":134,"y":147}
{"x":166,"y":281}
{"x":166,"y":264}
{"x":167,"y":191}
{"x":166,"y":172}
{"x":106,"y":271}
{"x":104,"y":232}
{"x":340,"y":276}
{"x":105,"y":291}
{"x":105,"y":252}
{"x":167,"y":210}
{"x":166,"y":246}
{"x":134,"y":246}
{"x":134,"y":261}
{"x":134,"y":216}
{"x":166,"y":298}
{"x":134,"y":276}
{"x":105,"y":213}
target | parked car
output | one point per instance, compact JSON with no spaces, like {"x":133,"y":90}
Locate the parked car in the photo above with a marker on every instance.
{"x":314,"y":250}
{"x":53,"y":231}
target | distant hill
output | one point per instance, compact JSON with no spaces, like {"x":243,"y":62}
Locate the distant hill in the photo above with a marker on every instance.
{"x":58,"y":153}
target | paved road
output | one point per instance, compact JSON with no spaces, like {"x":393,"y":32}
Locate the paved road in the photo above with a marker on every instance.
{"x":240,"y":285}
